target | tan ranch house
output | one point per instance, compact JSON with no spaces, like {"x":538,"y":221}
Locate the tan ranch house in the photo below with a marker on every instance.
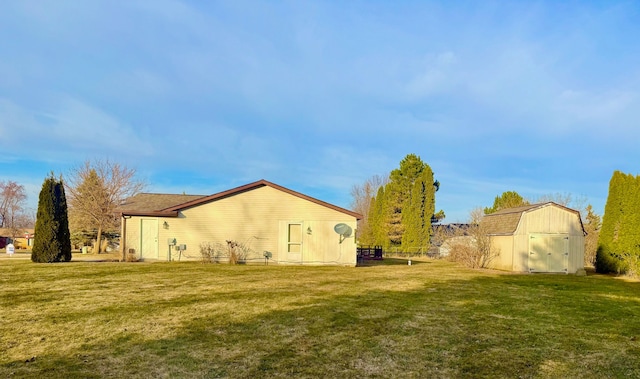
{"x":274,"y":224}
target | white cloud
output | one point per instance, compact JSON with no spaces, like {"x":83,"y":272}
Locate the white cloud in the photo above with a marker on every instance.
{"x":596,"y":107}
{"x":70,"y":128}
{"x":436,"y":75}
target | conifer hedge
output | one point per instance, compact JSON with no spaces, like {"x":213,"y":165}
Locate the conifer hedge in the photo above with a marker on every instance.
{"x":52,"y":240}
{"x":619,"y":241}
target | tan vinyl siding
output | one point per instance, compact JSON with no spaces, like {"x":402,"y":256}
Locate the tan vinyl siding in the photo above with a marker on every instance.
{"x":549,"y":220}
{"x":258,"y":218}
{"x":133,"y":235}
{"x":503,"y":246}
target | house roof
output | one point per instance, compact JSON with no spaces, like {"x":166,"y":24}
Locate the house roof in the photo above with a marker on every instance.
{"x":171,"y":210}
{"x":505,"y":221}
{"x":150,"y":204}
{"x":6,"y":232}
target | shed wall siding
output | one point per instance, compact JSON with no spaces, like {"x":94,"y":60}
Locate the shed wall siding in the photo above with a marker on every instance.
{"x":503,"y":247}
{"x":576,"y":253}
{"x":549,"y":220}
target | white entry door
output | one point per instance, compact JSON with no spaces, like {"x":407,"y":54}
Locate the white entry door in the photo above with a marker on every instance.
{"x":548,"y":253}
{"x":294,"y":243}
{"x":149,"y":239}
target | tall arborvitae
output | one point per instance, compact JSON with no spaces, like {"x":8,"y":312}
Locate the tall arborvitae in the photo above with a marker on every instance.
{"x":51,"y":242}
{"x":45,"y":243}
{"x":416,"y":216}
{"x":62,"y":215}
{"x":619,"y":236}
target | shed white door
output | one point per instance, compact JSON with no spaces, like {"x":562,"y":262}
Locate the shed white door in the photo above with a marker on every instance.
{"x":548,"y":253}
{"x":149,"y":239}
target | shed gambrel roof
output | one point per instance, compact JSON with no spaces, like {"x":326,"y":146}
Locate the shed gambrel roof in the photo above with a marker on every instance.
{"x":170,"y":206}
{"x":505,"y":221}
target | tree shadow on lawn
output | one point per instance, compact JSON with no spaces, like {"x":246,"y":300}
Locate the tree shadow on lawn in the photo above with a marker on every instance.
{"x":487,"y":326}
{"x":393,"y":262}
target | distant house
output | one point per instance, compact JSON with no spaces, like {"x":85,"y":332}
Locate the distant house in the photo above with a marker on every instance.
{"x":445,"y":248}
{"x":446,"y":236}
{"x":272,"y":221}
{"x":537,"y":238}
{"x":24,"y":240}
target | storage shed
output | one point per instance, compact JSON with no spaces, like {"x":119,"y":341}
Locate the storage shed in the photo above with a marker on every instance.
{"x":545,"y":237}
{"x":270,"y":223}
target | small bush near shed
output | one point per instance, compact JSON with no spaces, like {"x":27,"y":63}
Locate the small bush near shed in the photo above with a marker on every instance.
{"x":476,"y":252}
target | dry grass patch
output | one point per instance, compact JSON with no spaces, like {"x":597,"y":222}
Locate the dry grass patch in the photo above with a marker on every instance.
{"x":431,"y":319}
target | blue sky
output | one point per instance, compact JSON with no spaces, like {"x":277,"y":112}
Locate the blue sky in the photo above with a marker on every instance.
{"x":202,"y":96}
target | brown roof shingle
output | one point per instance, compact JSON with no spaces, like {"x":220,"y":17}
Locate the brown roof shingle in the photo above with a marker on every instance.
{"x":506,"y":221}
{"x":153,"y":202}
{"x":149,"y":204}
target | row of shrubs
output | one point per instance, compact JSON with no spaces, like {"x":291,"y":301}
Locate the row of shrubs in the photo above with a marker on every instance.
{"x":233,"y":252}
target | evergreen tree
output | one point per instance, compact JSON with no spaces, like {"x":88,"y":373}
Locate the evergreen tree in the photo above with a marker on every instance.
{"x":51,"y":242}
{"x":402,"y":210}
{"x":392,"y":211}
{"x":378,"y":221}
{"x":411,"y":219}
{"x":62,"y":215}
{"x":508,"y":199}
{"x":418,"y":212}
{"x":610,"y":225}
{"x":618,"y":243}
{"x":399,"y":192}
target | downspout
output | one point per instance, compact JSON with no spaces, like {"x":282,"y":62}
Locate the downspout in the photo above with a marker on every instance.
{"x":123,"y":238}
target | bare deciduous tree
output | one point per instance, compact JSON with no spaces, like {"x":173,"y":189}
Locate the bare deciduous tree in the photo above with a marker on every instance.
{"x":361,"y":195}
{"x":568,"y":200}
{"x":592,"y":225}
{"x":476,"y":250}
{"x":95,"y":189}
{"x":12,"y":212}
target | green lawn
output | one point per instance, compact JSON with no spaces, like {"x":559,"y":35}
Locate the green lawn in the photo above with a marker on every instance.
{"x":430,"y":319}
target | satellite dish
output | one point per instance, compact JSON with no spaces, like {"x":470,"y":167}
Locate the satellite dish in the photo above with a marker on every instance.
{"x":343,"y":230}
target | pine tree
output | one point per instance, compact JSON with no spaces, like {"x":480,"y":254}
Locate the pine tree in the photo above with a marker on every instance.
{"x":399,"y":192}
{"x":51,"y":242}
{"x":411,"y":219}
{"x":402,"y":210}
{"x":392,"y":215}
{"x":508,"y":199}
